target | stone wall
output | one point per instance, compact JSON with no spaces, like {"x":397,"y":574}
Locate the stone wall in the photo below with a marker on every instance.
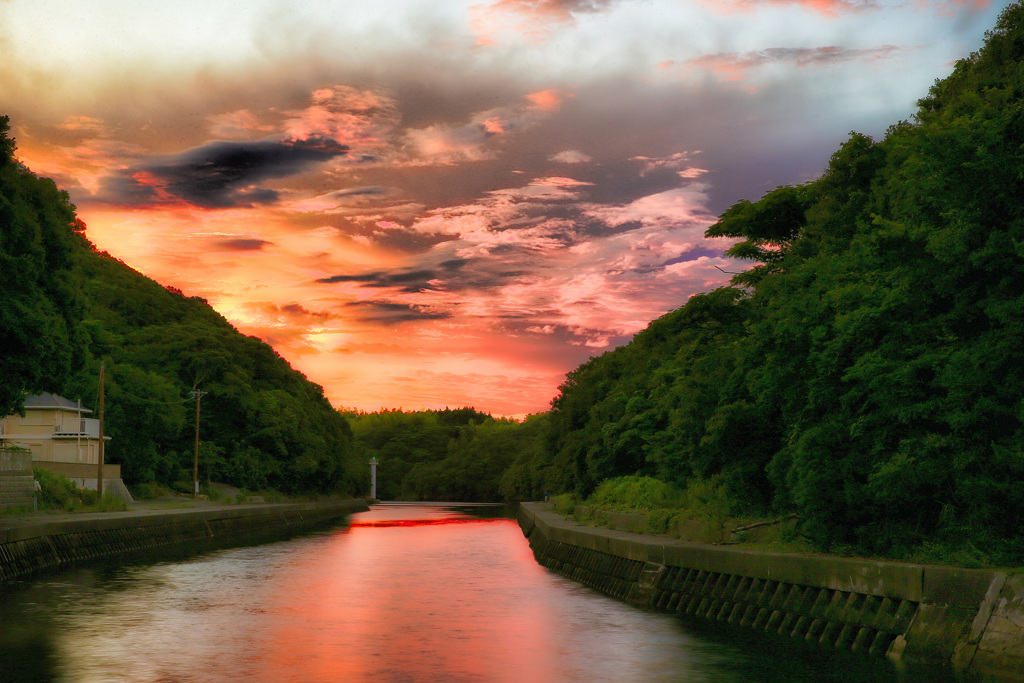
{"x":17,"y":485}
{"x":29,"y":546}
{"x":960,"y":619}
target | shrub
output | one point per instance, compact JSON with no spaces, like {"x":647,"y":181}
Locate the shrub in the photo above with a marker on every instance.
{"x":60,"y":493}
{"x":564,"y":503}
{"x":150,"y":491}
{"x":632,"y":493}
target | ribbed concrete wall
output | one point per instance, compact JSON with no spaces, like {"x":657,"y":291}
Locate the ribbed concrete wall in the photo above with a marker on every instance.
{"x":965,"y":620}
{"x":27,"y":547}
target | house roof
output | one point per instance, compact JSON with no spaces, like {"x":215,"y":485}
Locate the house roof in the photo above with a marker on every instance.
{"x":49,"y":401}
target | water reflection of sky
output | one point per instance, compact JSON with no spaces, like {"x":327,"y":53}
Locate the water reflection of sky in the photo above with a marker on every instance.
{"x":402,"y":594}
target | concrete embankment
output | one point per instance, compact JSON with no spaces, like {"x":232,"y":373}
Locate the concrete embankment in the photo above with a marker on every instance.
{"x":969,"y":621}
{"x":32,"y":545}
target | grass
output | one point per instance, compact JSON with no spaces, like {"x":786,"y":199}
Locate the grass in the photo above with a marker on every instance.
{"x":707,"y":502}
{"x":60,"y":493}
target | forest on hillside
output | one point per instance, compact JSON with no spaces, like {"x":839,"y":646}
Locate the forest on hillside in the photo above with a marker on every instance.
{"x":67,"y":307}
{"x":867,"y":372}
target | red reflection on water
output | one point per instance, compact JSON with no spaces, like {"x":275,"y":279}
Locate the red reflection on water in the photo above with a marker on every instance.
{"x":423,"y":522}
{"x":413,"y":595}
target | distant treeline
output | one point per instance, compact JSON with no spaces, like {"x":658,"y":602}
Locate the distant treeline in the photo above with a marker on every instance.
{"x":452,"y":455}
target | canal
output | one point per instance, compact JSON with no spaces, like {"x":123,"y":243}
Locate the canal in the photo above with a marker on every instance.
{"x":401,"y":593}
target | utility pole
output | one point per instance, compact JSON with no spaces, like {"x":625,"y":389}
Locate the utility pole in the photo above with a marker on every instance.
{"x":99,"y":458}
{"x":373,"y":478}
{"x":198,"y":396}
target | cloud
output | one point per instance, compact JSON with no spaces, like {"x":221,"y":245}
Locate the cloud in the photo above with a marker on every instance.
{"x":570,"y":156}
{"x":539,"y":259}
{"x":678,"y":162}
{"x":517,"y":204}
{"x":836,"y":8}
{"x":242,"y":244}
{"x":353,"y":117}
{"x":83,"y":124}
{"x":737,"y":66}
{"x":547,"y":100}
{"x":218,"y":174}
{"x":241,"y":124}
{"x":677,"y":206}
{"x":477,"y":139}
{"x":392,"y":313}
{"x":828,"y":8}
{"x":412,"y":281}
{"x":535,"y":20}
{"x":344,"y":199}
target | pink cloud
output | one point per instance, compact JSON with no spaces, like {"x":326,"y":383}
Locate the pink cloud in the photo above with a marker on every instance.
{"x":829,"y":8}
{"x":476,"y":140}
{"x":547,"y":100}
{"x":237,"y":125}
{"x":358,"y":118}
{"x":534,"y":20}
{"x":734,"y":66}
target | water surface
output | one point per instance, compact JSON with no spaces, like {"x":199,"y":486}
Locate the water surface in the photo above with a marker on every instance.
{"x":402,"y":593}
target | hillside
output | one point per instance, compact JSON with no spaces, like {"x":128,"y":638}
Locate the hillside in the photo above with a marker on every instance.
{"x":868,"y":371}
{"x":67,"y":307}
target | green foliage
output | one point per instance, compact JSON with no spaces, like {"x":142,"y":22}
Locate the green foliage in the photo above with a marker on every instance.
{"x":262,"y":424}
{"x":40,"y":334}
{"x":147,"y":491}
{"x":868,"y":372}
{"x":453,"y":455}
{"x":60,"y":493}
{"x":564,"y":503}
{"x":631,"y":493}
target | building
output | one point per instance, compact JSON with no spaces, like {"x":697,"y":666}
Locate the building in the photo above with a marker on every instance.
{"x":62,"y":440}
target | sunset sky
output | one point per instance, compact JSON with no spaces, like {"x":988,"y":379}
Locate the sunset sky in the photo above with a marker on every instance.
{"x":447,"y":203}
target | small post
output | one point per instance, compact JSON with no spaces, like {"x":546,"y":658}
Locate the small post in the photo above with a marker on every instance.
{"x":198,"y":396}
{"x":99,"y":455}
{"x":373,"y":478}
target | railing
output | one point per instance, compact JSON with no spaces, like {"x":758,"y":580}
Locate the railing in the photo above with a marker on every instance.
{"x":86,"y":427}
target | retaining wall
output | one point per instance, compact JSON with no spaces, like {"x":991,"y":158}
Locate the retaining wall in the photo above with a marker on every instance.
{"x":961,"y":619}
{"x":29,"y":546}
{"x":17,"y":486}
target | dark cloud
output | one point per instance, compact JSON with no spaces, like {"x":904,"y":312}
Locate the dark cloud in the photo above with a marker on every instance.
{"x":219,"y":174}
{"x":456,"y":274}
{"x":387,"y":312}
{"x":295,"y":310}
{"x":243,"y":244}
{"x":370,"y":277}
{"x":693,"y":255}
{"x":414,"y":280}
{"x":374,"y":190}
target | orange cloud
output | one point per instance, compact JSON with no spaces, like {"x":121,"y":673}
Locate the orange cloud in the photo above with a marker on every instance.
{"x":547,"y":100}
